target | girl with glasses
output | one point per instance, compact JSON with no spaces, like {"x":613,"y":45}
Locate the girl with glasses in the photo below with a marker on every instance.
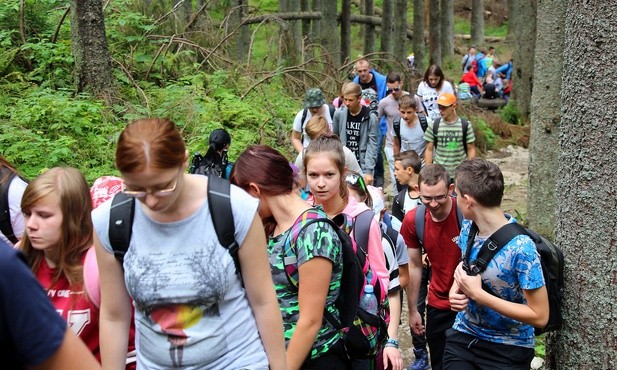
{"x":192,"y":310}
{"x":312,"y":341}
{"x":324,"y":167}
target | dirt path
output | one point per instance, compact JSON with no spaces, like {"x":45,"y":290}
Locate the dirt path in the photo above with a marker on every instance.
{"x":513,"y":162}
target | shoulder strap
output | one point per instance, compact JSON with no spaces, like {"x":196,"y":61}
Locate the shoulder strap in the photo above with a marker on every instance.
{"x":302,"y":123}
{"x":423,"y":121}
{"x":5,"y":214}
{"x":491,"y":246}
{"x":396,"y":124}
{"x":361,"y":229}
{"x":465,"y":125}
{"x":419,"y":222}
{"x":121,"y":216}
{"x":435,"y":130}
{"x":332,"y":109}
{"x":219,"y":203}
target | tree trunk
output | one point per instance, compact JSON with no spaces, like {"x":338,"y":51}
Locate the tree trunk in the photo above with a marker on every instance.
{"x":587,"y":206}
{"x":306,"y":24}
{"x":242,"y":38}
{"x":316,"y":27}
{"x":283,"y":5}
{"x":477,"y":23}
{"x":434,"y":38}
{"x":524,"y":23}
{"x":345,"y":31}
{"x":447,"y":28}
{"x":399,"y":47}
{"x":369,"y":30}
{"x":93,"y":70}
{"x":418,"y":38}
{"x":295,"y":27}
{"x":387,"y":27}
{"x":510,"y":36}
{"x":329,"y":31}
{"x":545,"y":117}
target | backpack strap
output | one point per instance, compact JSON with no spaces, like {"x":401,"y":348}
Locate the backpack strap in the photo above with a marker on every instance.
{"x":332,"y":109}
{"x":121,"y":216}
{"x":423,"y":121}
{"x":219,"y":204}
{"x":490,"y":247}
{"x":361,"y":229}
{"x":465,"y":126}
{"x":304,"y":111}
{"x":5,"y":214}
{"x":435,"y":131}
{"x":396,"y":125}
{"x":419,"y":222}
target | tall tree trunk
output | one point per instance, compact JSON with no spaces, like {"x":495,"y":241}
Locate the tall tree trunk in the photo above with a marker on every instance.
{"x":434,"y":37}
{"x":477,"y":23}
{"x":447,"y":28}
{"x":399,"y":47}
{"x":524,"y":23}
{"x":418,"y":35}
{"x":296,"y":27}
{"x":306,"y":24}
{"x":510,"y":36}
{"x":240,"y":9}
{"x":93,"y":70}
{"x":345,"y":31}
{"x":329,"y":30}
{"x":316,"y":26}
{"x":545,"y":117}
{"x":369,"y":29}
{"x":386,"y":27}
{"x":283,"y":5}
{"x":587,"y":207}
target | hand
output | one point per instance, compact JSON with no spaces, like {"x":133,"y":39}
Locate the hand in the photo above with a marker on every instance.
{"x":469,"y":285}
{"x":415,"y":322}
{"x":458,"y":301}
{"x":392,"y":359}
{"x":425,"y":261}
{"x":368,"y":179}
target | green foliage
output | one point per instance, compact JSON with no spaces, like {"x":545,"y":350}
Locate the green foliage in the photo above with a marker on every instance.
{"x":485,"y":137}
{"x":509,"y":113}
{"x":540,"y":345}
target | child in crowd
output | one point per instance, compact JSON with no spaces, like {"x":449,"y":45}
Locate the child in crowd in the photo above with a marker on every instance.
{"x":407,"y":167}
{"x":493,"y":331}
{"x":410,"y":135}
{"x":433,"y":84}
{"x":312,"y":341}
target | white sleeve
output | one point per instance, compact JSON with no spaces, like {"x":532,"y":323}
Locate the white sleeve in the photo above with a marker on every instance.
{"x":297,"y":126}
{"x":16,"y":191}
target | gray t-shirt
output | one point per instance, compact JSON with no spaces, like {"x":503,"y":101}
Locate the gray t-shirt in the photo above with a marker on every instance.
{"x":191,"y":310}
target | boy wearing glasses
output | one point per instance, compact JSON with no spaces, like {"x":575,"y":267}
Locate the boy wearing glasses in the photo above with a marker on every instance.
{"x":441,"y":230}
{"x":450,"y":139}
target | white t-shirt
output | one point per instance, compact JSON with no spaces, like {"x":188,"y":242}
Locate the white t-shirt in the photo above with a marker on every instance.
{"x":412,"y":138}
{"x":299,"y":126}
{"x":16,"y":191}
{"x":429,"y":97}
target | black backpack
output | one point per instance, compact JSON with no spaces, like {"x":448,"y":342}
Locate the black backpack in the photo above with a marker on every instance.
{"x":464,"y":124}
{"x":122,"y":213}
{"x":5,"y":213}
{"x":551,"y":258}
{"x":201,"y":165}
{"x":397,"y":126}
{"x":331,"y":108}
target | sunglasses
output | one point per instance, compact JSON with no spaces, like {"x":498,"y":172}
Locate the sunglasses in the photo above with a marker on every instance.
{"x":355,"y":180}
{"x":393,"y":89}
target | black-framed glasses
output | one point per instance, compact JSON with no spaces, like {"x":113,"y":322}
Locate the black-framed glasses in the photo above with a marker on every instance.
{"x":354,"y":179}
{"x":156,"y":193}
{"x":394,"y":89}
{"x":438,"y":199}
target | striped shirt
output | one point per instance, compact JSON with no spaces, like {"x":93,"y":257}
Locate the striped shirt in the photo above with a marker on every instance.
{"x":449,"y":148}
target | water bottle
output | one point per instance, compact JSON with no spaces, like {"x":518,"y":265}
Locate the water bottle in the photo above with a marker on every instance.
{"x":368,"y":302}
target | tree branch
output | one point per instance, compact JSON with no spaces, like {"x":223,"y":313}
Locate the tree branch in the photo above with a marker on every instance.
{"x":139,"y":89}
{"x":57,"y":31}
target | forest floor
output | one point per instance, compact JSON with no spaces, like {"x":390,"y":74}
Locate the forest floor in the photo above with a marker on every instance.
{"x":513,"y":161}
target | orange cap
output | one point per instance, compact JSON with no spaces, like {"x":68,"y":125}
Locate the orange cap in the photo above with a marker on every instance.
{"x":446,"y":99}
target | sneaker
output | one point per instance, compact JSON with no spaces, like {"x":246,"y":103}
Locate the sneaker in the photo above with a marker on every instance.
{"x":421,"y":361}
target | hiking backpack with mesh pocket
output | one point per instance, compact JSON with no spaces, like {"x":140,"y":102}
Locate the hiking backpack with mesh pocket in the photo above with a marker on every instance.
{"x":363,"y":333}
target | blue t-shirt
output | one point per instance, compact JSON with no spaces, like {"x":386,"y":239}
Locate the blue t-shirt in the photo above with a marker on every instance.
{"x":31,"y":330}
{"x":514,"y":268}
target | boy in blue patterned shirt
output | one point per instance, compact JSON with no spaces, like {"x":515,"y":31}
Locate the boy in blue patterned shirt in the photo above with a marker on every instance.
{"x":493,"y":331}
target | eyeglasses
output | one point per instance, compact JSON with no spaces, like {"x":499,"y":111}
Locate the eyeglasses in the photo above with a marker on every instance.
{"x":443,"y":107}
{"x":438,"y":199}
{"x":157,"y":193}
{"x":353,"y":180}
{"x":393,"y":89}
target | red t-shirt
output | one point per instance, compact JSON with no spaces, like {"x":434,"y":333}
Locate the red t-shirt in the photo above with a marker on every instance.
{"x":440,"y":244}
{"x":84,"y":315}
{"x":471,"y":78}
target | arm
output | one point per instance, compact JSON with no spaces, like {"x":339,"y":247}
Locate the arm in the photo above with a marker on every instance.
{"x":471,"y":150}
{"x":428,"y":152}
{"x":370,"y":157}
{"x":115,"y":312}
{"x":315,"y":275}
{"x":534,"y":313}
{"x":260,"y":292}
{"x":296,"y":141}
{"x":396,"y":144}
{"x":392,"y":355}
{"x":413,"y":289}
{"x":71,"y":355}
{"x":458,"y":299}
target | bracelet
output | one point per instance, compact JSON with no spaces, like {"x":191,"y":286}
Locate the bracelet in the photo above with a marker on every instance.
{"x":392,"y":343}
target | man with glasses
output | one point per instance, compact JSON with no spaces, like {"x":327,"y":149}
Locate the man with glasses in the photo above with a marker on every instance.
{"x":440,"y":235}
{"x":450,"y":139}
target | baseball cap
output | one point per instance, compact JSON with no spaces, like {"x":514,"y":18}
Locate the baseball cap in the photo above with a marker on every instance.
{"x":446,"y":99}
{"x":314,"y":98}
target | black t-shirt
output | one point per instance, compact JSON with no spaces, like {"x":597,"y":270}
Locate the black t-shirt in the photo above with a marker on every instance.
{"x":352,"y":129}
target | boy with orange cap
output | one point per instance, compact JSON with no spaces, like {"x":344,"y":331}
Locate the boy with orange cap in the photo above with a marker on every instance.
{"x":450,"y":139}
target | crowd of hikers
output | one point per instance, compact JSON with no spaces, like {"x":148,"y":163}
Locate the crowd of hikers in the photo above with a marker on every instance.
{"x":269,"y":262}
{"x":484,"y":76}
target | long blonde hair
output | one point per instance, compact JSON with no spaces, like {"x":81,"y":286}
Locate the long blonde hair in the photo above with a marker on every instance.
{"x":68,"y":186}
